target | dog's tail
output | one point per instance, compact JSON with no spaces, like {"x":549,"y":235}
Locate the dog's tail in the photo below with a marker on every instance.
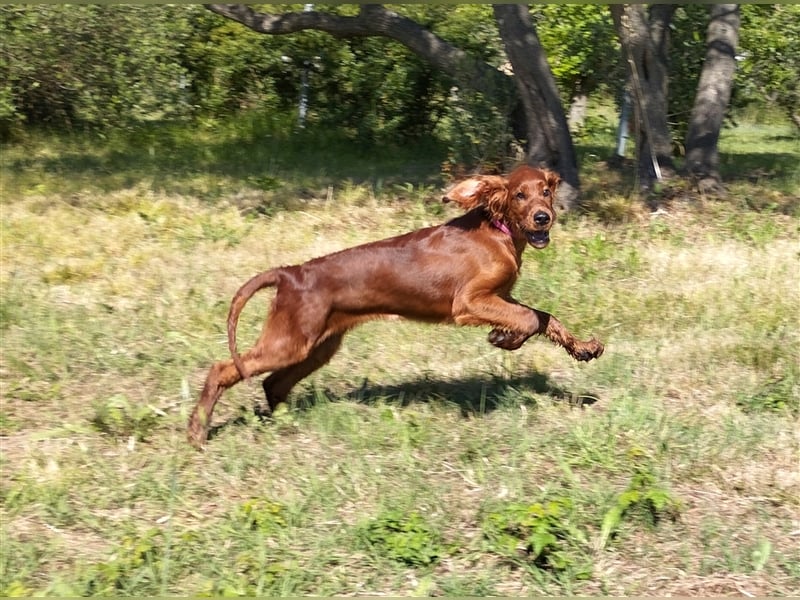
{"x":260,"y":281}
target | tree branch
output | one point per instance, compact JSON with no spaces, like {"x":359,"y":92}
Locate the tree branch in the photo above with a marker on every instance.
{"x":282,"y":24}
{"x":376,"y":20}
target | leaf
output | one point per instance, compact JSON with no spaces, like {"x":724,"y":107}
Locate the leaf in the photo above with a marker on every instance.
{"x":610,"y":523}
{"x":761,"y":554}
{"x":541,"y":541}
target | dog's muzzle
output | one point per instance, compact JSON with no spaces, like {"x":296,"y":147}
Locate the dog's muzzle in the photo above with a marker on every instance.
{"x":538,"y":239}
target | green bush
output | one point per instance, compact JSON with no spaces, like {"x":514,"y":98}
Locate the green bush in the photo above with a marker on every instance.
{"x":403,"y":537}
{"x":541,"y":534}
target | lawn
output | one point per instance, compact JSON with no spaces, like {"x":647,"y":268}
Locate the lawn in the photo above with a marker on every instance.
{"x":422,"y":460}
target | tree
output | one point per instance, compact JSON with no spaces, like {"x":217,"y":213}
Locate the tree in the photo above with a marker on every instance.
{"x":543,"y":117}
{"x":583,"y":53}
{"x":770,"y":58}
{"x":549,"y":140}
{"x":645,"y":44}
{"x":375,"y":20}
{"x":713,"y":96}
{"x":91,"y":65}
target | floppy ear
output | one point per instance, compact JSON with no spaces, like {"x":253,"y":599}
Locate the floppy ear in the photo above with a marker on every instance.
{"x":553,"y":179}
{"x":481,"y":190}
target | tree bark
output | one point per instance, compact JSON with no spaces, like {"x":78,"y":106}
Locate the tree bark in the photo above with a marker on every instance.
{"x":713,"y":95}
{"x":549,"y":141}
{"x":645,"y":43}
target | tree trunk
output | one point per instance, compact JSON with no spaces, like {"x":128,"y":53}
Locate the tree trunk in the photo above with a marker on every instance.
{"x":549,"y":140}
{"x":542,"y":116}
{"x":645,"y":42}
{"x":713,"y":95}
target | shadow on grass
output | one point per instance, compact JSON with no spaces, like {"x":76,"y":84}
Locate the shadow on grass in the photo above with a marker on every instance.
{"x":734,"y":167}
{"x":219,"y":161}
{"x":249,"y":154}
{"x":473,"y":395}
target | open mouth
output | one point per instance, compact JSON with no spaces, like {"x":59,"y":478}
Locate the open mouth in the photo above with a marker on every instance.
{"x":538,"y":239}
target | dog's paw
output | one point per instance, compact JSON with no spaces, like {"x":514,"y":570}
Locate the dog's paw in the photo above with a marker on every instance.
{"x":586,"y":351}
{"x":196,"y":435}
{"x":197,"y":429}
{"x":506,"y":340}
{"x":262,"y":411}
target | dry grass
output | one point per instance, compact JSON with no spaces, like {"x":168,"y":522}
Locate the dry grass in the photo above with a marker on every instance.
{"x":113,"y":307}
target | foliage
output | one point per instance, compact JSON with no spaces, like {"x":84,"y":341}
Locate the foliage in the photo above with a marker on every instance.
{"x":780,"y":394}
{"x":108,"y":67}
{"x":261,"y":515}
{"x":476,"y":133}
{"x":543,"y":534}
{"x":644,"y":500}
{"x":687,"y":52}
{"x":769,"y":43}
{"x":119,"y":66}
{"x":96,"y":65}
{"x":137,"y":562}
{"x":234,"y":69}
{"x":582,"y":47}
{"x":251,"y":575}
{"x":405,"y":537}
{"x":119,"y":418}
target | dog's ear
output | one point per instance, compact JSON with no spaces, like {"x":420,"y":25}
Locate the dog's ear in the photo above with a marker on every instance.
{"x":481,"y":190}
{"x":553,"y":179}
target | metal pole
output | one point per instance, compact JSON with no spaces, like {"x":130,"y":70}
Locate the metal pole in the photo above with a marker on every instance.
{"x":302,"y":108}
{"x":624,"y":124}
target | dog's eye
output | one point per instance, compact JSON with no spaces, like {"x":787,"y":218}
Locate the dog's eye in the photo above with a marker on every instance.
{"x":520,"y":196}
{"x":546,"y":192}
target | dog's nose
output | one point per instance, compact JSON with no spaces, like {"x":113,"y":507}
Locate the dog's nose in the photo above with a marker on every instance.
{"x":541,"y":218}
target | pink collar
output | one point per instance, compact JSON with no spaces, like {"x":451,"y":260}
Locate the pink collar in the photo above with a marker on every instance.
{"x":501,"y":226}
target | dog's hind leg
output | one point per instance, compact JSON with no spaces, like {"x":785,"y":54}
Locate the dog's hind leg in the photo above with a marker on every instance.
{"x":224,"y":374}
{"x":278,"y":385}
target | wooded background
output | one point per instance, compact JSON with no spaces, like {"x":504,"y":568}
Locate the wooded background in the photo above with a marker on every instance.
{"x":486,"y":80}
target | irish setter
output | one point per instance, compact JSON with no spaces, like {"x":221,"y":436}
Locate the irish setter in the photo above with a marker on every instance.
{"x":460,"y":272}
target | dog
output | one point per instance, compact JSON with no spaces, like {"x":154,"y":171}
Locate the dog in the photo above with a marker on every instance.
{"x":460,"y":272}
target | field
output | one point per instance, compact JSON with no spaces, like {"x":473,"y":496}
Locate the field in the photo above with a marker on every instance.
{"x":422,"y":460}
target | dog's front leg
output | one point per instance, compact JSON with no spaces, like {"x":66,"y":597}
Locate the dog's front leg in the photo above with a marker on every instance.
{"x":553,"y":330}
{"x":512,"y":322}
{"x":511,"y":338}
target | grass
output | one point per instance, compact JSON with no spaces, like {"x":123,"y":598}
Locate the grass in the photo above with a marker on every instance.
{"x":421,"y":461}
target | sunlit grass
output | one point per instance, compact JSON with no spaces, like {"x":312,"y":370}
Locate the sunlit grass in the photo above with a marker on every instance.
{"x":114,"y":296}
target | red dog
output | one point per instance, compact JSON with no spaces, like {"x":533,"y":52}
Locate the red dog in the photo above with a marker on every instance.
{"x":460,"y":272}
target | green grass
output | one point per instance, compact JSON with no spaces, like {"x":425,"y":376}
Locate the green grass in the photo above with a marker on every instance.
{"x":421,"y":460}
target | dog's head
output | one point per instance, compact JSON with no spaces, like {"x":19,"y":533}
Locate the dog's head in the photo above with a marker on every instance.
{"x":522,"y":201}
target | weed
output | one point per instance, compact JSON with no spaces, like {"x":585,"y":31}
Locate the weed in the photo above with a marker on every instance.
{"x":778,"y":395}
{"x":643,"y":500}
{"x":136,"y":562}
{"x":252,"y":575}
{"x":119,"y":418}
{"x":261,"y":515}
{"x":17,"y":589}
{"x":403,"y":537}
{"x":543,"y":534}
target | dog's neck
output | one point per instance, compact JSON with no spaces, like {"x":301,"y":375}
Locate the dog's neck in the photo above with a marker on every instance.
{"x":501,"y":226}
